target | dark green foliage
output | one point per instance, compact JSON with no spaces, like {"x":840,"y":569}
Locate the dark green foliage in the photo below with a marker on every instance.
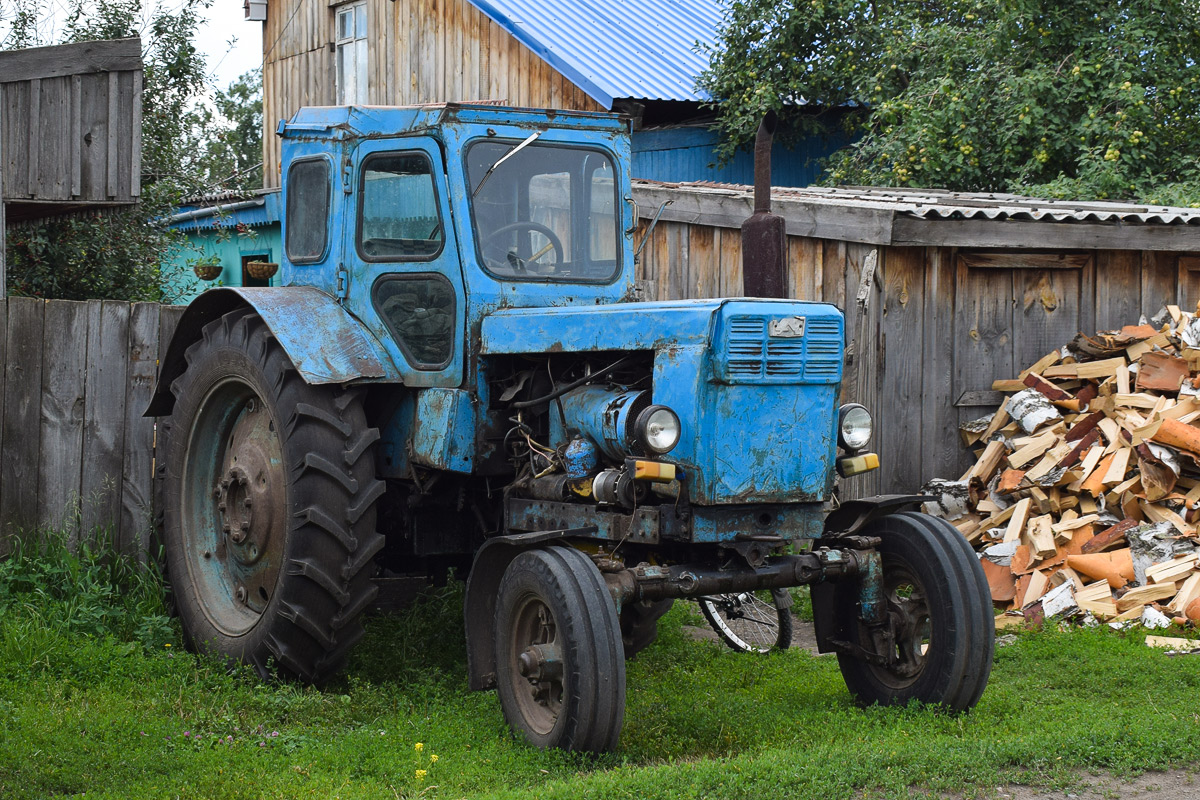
{"x":186,"y":149}
{"x":233,"y":151}
{"x":1089,"y":99}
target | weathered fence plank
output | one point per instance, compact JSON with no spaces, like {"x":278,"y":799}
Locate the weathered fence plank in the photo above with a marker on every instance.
{"x":136,"y":511}
{"x":104,"y":414}
{"x":22,"y":412}
{"x":899,"y":441}
{"x":62,"y":406}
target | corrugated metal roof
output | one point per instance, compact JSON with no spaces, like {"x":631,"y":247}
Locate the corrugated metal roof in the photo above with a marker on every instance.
{"x":616,"y":48}
{"x":934,"y":204}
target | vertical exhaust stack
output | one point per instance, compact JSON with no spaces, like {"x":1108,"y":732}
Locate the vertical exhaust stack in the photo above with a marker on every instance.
{"x":764,"y":243}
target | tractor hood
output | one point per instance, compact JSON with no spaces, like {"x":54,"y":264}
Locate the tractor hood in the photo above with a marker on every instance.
{"x":754,"y":382}
{"x":574,"y":329}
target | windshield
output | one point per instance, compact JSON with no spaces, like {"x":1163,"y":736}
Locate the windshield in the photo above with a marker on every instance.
{"x":548,"y":213}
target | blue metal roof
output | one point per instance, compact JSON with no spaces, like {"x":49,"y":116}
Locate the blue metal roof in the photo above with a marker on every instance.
{"x":643,"y":49}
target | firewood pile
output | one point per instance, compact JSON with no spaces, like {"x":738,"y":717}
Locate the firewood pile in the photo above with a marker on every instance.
{"x":1084,"y":499}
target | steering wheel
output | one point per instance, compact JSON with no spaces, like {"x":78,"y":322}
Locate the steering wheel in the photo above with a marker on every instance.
{"x":518,"y":264}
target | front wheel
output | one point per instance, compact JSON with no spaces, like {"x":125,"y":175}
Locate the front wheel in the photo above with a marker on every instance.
{"x":560,"y":665}
{"x":939,"y":619}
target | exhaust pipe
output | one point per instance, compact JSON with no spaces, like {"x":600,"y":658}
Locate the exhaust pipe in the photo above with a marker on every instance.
{"x":764,"y":238}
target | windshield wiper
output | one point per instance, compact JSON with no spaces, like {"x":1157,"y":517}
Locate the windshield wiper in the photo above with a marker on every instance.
{"x":504,"y":158}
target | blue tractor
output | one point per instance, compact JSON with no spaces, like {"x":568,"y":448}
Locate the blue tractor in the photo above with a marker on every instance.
{"x":456,"y":373}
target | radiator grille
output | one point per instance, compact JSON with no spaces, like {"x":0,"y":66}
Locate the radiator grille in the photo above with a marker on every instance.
{"x":752,"y":354}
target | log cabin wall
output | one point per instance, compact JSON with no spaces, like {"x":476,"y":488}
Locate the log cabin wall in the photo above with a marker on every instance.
{"x":933,"y":326}
{"x":418,"y":51}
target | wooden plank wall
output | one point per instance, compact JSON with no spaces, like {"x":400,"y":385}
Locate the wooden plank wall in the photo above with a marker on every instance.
{"x":933,"y":332}
{"x":418,"y":51}
{"x":75,"y":452}
{"x":71,"y":122}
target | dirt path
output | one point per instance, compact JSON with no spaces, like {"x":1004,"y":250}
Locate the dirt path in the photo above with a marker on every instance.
{"x":1178,"y":784}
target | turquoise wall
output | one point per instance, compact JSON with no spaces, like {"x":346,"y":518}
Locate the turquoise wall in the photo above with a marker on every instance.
{"x":180,"y":283}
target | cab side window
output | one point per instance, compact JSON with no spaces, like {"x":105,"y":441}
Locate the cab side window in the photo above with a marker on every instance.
{"x":398,"y":217}
{"x":308,"y":190}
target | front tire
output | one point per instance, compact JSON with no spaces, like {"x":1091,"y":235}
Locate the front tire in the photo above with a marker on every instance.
{"x":560,"y":664}
{"x":268,"y":514}
{"x":940,"y":611}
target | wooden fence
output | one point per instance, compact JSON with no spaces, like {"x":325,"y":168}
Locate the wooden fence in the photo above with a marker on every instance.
{"x":929,"y":328}
{"x":76,"y":453}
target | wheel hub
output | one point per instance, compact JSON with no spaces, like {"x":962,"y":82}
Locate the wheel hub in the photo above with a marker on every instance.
{"x":537,"y":680}
{"x":239,"y":457}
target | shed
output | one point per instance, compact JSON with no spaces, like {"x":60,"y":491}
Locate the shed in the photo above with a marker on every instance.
{"x":70,"y":127}
{"x":639,"y":58}
{"x":70,"y":130}
{"x":944,"y":292}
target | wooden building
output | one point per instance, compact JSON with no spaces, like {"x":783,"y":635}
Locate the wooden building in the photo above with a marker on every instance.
{"x":70,"y":130}
{"x":70,"y":127}
{"x":943,"y":292}
{"x":638,"y":58}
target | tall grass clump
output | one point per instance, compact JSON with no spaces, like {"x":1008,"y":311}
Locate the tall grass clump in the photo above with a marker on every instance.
{"x":49,"y":589}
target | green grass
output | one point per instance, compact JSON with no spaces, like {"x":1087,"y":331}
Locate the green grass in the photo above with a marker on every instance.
{"x":97,"y":699}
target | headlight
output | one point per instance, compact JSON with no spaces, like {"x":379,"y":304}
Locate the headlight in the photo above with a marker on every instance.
{"x":658,"y":429}
{"x":854,"y":427}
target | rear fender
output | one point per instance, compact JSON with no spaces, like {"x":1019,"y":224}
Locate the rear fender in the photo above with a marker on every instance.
{"x":324,"y":342}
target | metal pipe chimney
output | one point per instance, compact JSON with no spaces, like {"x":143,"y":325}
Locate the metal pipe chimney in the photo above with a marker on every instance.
{"x":764,"y":239}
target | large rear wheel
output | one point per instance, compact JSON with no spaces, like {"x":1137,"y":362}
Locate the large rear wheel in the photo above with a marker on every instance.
{"x":939,"y":619}
{"x":268,"y":500}
{"x":560,"y":664}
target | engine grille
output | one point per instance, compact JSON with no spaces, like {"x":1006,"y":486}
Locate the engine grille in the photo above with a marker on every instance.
{"x":752,"y":354}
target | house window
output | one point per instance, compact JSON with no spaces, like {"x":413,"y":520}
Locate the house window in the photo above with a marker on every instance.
{"x":351,"y":46}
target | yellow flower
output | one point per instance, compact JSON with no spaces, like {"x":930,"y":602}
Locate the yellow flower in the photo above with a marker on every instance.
{"x":421,"y":774}
{"x":419,"y":746}
{"x":433,"y":758}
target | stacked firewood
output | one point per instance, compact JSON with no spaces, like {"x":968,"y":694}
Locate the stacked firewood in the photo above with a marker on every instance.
{"x":1084,"y":499}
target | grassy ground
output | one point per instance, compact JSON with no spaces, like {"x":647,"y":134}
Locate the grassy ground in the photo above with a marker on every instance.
{"x":97,"y":699}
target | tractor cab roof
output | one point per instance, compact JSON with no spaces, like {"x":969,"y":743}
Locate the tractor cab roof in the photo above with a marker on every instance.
{"x":343,"y":122}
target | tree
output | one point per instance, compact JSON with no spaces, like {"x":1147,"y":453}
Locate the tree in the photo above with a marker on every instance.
{"x":232,"y":154}
{"x":1086,"y":99}
{"x":117,"y":254}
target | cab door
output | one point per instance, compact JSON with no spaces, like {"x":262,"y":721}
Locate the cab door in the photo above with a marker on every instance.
{"x":401,"y":260}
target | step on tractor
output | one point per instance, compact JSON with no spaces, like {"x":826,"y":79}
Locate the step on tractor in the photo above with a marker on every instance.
{"x":457,"y":373}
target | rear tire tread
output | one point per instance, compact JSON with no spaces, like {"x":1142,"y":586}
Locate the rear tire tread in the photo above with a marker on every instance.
{"x":312,"y":619}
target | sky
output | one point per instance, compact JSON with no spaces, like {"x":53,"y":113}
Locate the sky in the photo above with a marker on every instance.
{"x":225,"y":20}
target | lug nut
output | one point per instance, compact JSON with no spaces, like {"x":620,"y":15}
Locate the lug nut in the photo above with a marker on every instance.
{"x":241,"y":594}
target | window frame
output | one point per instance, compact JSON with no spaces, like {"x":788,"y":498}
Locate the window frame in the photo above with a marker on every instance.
{"x":410,"y":277}
{"x":287,"y":211}
{"x":339,"y":82}
{"x":619,"y":256}
{"x":362,"y":197}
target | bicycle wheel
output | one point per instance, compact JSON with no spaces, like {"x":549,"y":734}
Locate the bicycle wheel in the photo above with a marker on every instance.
{"x":751,"y":622}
